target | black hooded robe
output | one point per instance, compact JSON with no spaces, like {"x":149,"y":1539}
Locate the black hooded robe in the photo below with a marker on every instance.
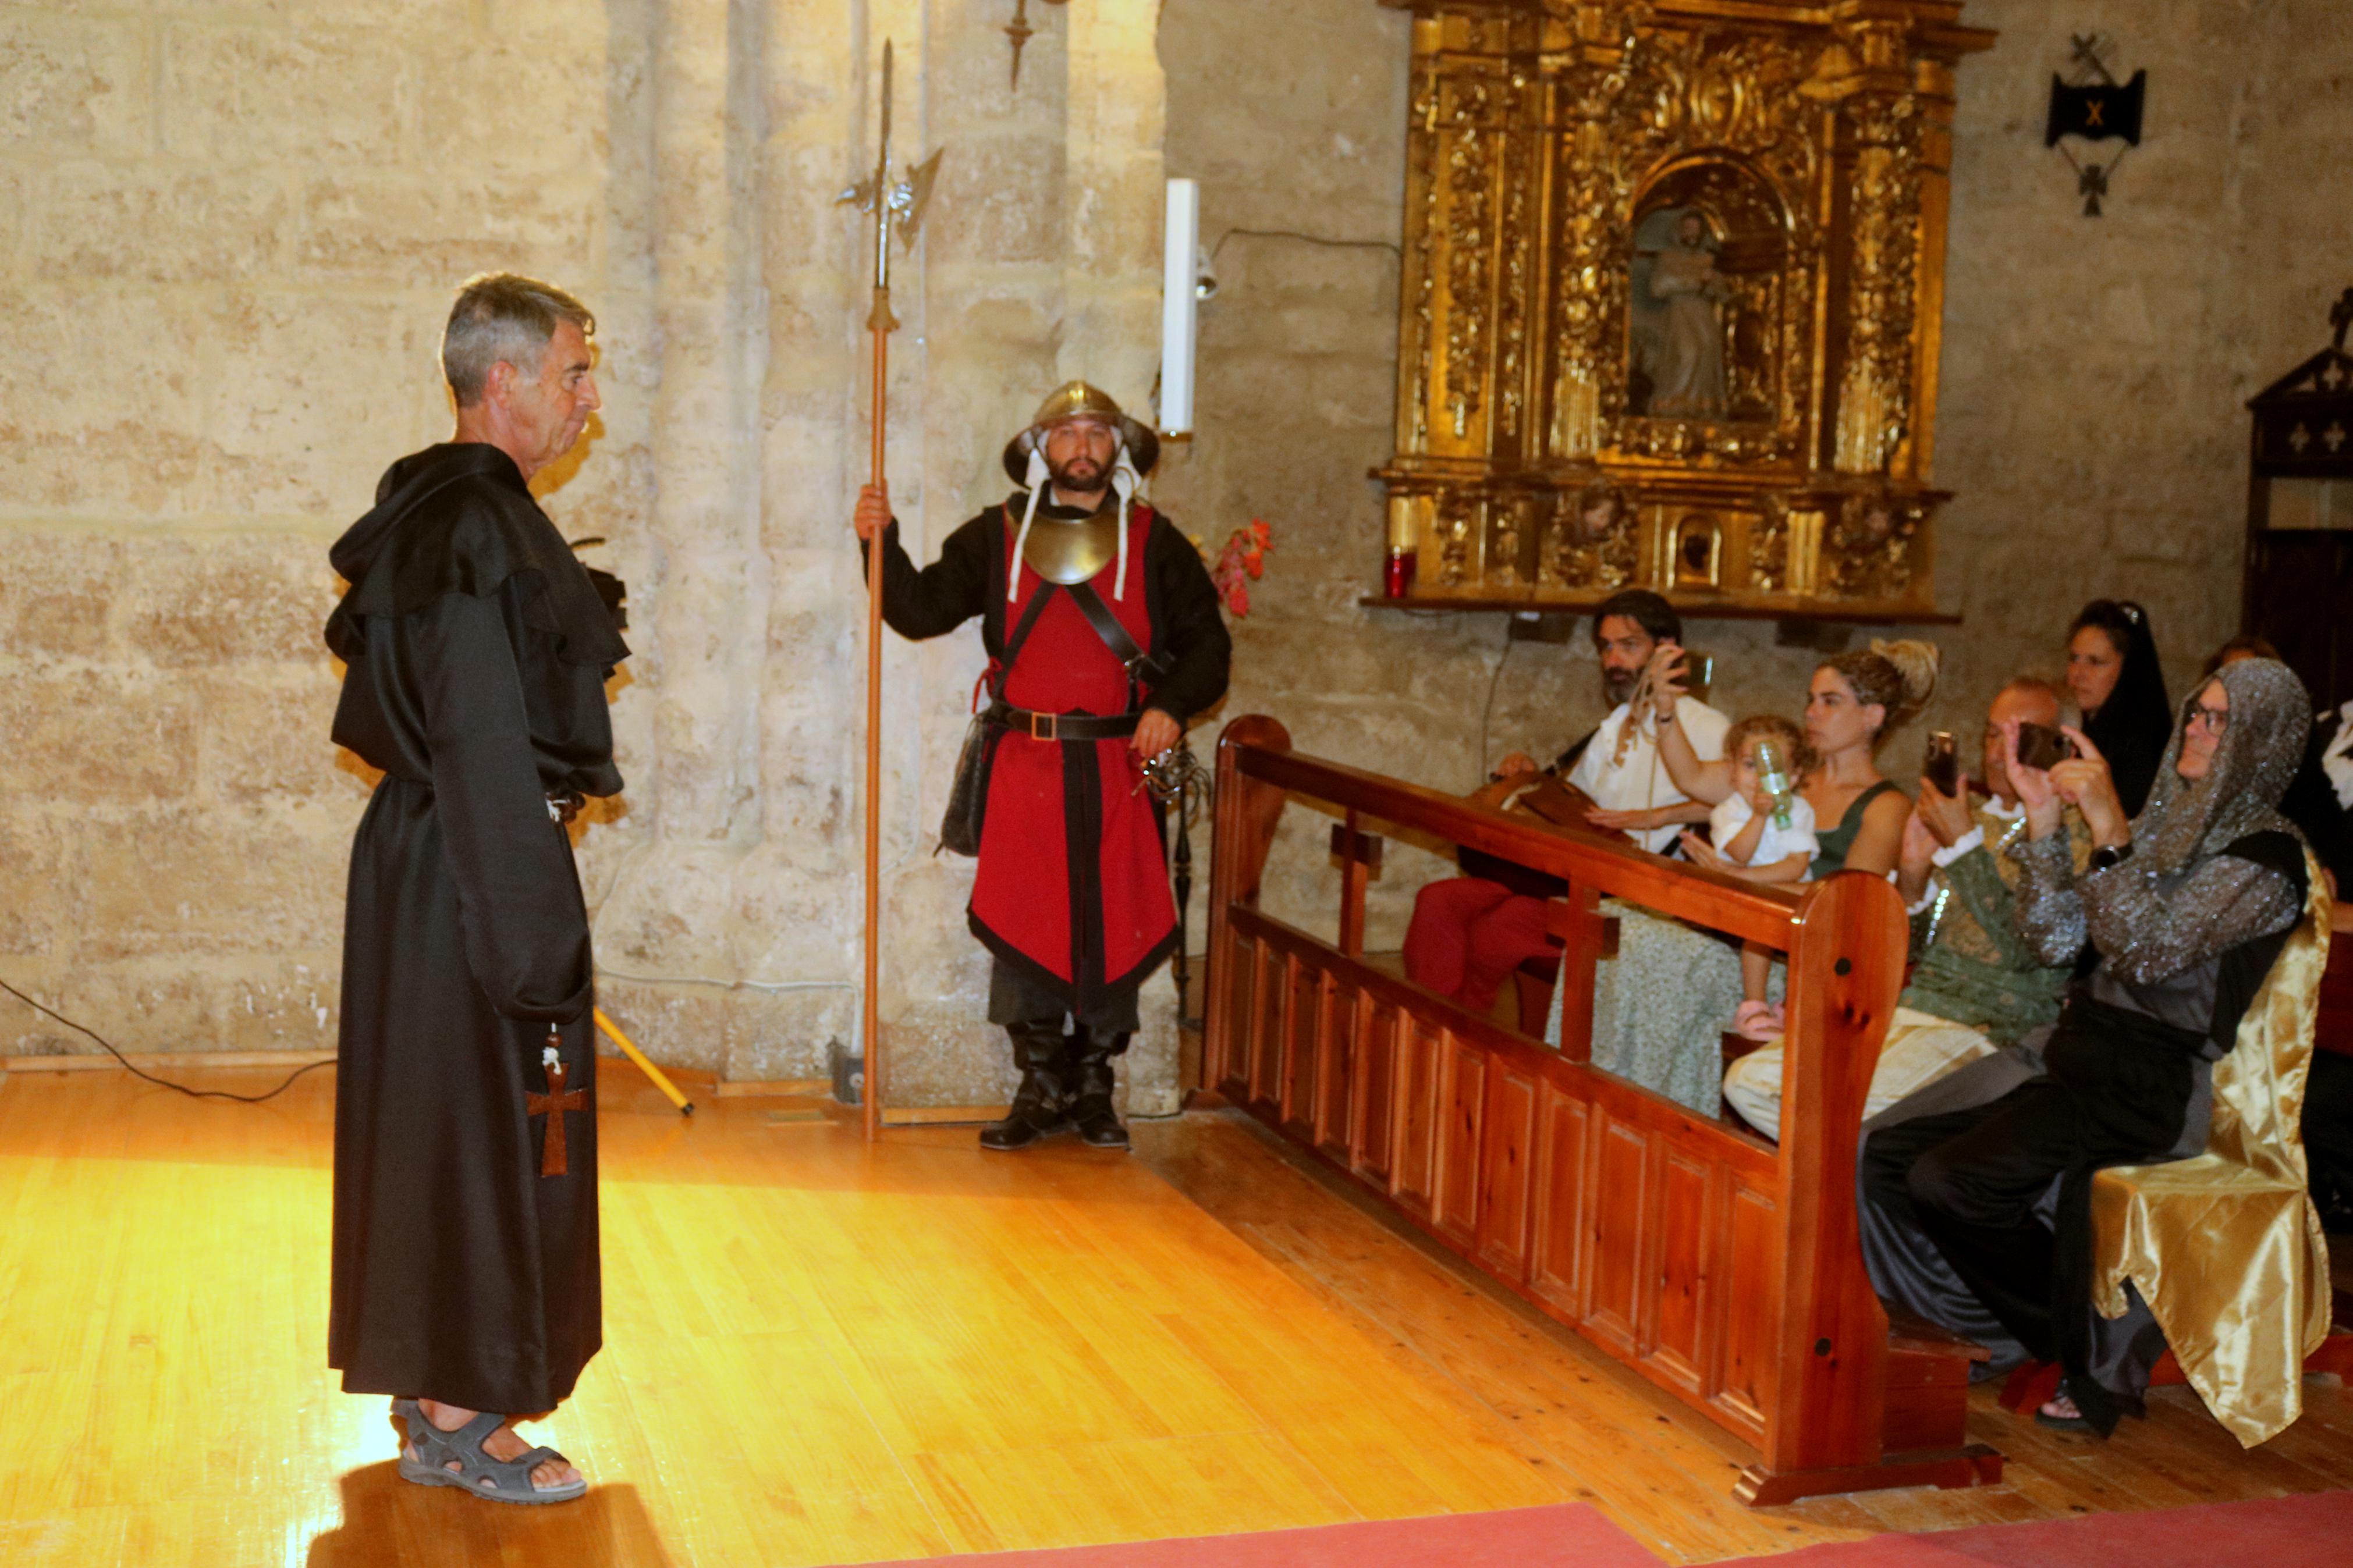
{"x":477,"y":650}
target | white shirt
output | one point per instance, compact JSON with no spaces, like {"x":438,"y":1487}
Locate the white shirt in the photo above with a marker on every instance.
{"x":1776,"y":843}
{"x":1641,"y":782}
{"x":2337,"y":761}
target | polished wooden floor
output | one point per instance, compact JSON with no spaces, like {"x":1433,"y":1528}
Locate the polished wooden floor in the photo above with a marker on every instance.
{"x":818,"y":1352}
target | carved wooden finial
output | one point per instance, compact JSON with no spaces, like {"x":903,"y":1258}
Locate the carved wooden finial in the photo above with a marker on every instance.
{"x":2340,"y":317}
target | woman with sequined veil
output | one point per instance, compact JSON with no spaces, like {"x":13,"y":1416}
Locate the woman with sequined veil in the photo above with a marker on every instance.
{"x":2180,"y":915}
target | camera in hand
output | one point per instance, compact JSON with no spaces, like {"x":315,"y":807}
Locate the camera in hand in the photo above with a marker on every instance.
{"x":2042,"y":747}
{"x":1943,"y":767}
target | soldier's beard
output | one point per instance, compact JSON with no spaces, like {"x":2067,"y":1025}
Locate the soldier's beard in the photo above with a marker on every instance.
{"x":1078,"y":475}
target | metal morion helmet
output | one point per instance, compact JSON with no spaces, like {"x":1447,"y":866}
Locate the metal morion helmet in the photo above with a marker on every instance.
{"x":1073,"y":400}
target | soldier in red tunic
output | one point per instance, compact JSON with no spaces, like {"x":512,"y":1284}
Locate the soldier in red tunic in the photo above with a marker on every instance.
{"x":1105,"y":638}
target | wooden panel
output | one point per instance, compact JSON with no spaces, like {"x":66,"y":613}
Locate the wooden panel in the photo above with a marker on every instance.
{"x":1413,"y":1178}
{"x":1335,"y":1073}
{"x":1506,"y":1169}
{"x":1558,"y":1223}
{"x":1750,"y":1269}
{"x":1927,"y":1401}
{"x":2296,"y":596}
{"x":1376,"y":1095}
{"x":1302,"y":1046}
{"x":1267,"y":1032}
{"x":1614,"y":1235}
{"x":1677,"y":1280}
{"x":1464,"y":1102}
{"x":1245,"y":957}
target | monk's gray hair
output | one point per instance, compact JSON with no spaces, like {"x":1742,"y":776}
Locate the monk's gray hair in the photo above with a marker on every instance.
{"x":504,"y":316}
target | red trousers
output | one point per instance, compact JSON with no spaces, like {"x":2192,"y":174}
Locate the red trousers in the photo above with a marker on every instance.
{"x":1468,"y":934}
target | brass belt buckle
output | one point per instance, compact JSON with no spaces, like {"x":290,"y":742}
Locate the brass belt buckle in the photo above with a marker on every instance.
{"x":1048,"y":720}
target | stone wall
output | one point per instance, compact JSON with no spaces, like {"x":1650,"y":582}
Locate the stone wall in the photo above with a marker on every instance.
{"x":230,"y":234}
{"x":227,"y":233}
{"x":2091,"y":421}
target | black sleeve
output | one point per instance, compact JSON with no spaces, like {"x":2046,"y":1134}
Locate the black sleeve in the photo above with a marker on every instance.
{"x":526,"y":932}
{"x":2311,"y":804}
{"x":943,"y":596}
{"x":1191,"y":630}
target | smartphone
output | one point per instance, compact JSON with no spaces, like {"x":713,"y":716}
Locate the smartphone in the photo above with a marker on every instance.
{"x":2042,"y":748}
{"x":1943,"y":766}
{"x":1699,"y":673}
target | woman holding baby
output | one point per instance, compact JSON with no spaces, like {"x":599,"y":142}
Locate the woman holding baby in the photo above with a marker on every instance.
{"x":1662,"y":1005}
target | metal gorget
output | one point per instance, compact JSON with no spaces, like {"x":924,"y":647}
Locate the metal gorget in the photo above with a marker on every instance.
{"x":1073,"y":550}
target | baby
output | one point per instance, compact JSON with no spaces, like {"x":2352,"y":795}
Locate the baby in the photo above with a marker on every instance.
{"x":1750,"y":835}
{"x":1746,"y":829}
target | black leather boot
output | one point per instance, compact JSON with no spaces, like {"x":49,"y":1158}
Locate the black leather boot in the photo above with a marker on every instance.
{"x":1088,"y":1079}
{"x":1038,"y":1108}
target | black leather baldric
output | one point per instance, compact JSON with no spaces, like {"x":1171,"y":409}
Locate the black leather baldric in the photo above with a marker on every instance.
{"x":1141,"y":667}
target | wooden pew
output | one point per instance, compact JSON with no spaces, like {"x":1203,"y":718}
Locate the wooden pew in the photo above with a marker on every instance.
{"x":1722,"y":1269}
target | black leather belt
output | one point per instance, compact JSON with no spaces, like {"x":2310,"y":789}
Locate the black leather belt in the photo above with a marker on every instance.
{"x":1061,"y":726}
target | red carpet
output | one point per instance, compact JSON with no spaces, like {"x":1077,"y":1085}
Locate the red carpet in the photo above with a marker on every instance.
{"x":2313,"y":1531}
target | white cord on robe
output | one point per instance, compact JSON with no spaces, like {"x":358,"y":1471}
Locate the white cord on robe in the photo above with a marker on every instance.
{"x":1037,"y":476}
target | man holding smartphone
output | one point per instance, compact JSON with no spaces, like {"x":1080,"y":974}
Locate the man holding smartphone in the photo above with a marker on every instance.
{"x":1468,"y":932}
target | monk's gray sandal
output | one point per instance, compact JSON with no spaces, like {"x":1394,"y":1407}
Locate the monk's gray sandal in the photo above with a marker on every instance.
{"x":501,"y":1480}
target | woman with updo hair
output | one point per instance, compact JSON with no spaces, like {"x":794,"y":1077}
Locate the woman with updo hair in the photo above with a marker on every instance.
{"x":1854,"y":701}
{"x":1660,"y":1007}
{"x":2118,"y":686}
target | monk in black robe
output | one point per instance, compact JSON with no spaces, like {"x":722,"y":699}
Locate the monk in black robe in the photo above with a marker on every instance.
{"x":465,"y":1272}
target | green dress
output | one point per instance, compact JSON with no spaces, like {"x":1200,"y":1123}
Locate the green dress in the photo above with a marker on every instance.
{"x":1661,"y":1006}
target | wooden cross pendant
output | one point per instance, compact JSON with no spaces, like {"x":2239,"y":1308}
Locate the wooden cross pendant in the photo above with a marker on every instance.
{"x":553,"y":1105}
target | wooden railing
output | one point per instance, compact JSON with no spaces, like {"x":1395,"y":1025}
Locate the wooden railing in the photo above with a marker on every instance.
{"x":1724,"y":1269}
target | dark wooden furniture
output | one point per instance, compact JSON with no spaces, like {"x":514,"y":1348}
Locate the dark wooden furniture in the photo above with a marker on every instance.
{"x":2300,"y":568}
{"x":1722,"y":1269}
{"x":2333,"y":1030}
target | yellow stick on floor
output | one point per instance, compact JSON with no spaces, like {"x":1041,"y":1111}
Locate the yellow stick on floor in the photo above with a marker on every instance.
{"x":670,"y":1090}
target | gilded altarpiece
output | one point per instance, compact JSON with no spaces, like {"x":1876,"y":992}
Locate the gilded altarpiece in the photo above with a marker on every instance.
{"x":1673,"y":294}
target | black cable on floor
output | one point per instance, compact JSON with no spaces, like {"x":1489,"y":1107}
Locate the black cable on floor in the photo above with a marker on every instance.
{"x":150,"y":1078}
{"x":1487,"y":713}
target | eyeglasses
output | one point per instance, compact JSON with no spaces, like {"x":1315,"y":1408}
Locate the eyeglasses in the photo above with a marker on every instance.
{"x":2217,"y":718}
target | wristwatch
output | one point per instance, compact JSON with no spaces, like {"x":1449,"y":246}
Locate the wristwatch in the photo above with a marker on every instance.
{"x":2111,"y":854}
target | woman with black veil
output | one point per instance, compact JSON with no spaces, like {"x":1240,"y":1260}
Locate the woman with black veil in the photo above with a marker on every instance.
{"x":1979,"y":1217}
{"x":2120,"y":688}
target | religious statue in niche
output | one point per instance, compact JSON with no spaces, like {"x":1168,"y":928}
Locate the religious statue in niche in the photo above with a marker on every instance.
{"x":1677,"y":332}
{"x":1705,"y":292}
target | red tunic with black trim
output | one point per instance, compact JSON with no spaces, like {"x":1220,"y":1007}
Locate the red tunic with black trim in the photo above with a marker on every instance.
{"x":1072,"y":885}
